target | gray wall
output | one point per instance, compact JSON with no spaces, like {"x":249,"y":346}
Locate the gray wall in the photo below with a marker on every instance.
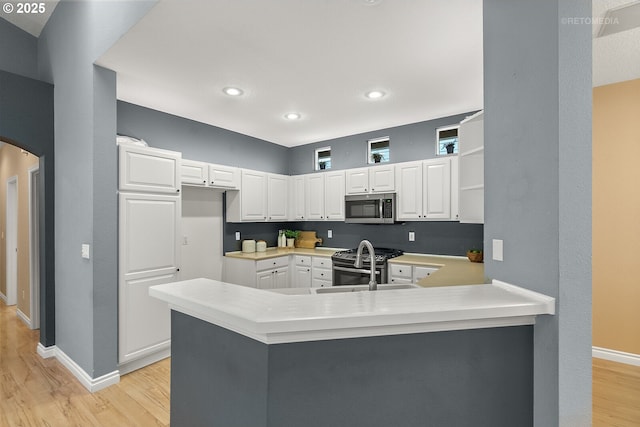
{"x":198,"y":141}
{"x":471,"y":378}
{"x":18,"y":50}
{"x":85,"y":206}
{"x":537,"y":86}
{"x":410,"y":142}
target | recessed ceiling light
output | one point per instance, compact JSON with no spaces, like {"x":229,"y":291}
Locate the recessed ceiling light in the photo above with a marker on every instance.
{"x":292,"y":116}
{"x":233,"y":91}
{"x":374,"y":94}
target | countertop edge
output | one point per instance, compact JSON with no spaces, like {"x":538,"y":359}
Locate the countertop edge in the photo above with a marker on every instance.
{"x":255,"y":319}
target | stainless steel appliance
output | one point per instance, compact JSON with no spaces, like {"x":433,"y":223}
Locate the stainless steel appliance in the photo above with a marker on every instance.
{"x":345,"y":272}
{"x":370,"y":208}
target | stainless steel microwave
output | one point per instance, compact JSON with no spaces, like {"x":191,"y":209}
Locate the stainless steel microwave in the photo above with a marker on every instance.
{"x":370,"y":208}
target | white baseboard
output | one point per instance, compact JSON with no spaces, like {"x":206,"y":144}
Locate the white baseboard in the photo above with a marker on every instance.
{"x":91,"y":384}
{"x":616,"y":356}
{"x":24,"y":318}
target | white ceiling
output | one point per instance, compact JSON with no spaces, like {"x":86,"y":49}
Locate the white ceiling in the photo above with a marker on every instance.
{"x":318,"y":58}
{"x":315,"y":57}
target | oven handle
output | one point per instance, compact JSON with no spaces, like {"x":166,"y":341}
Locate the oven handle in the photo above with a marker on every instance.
{"x":355,"y":270}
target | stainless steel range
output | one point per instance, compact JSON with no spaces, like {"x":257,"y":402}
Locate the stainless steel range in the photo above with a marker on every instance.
{"x":345,"y":273}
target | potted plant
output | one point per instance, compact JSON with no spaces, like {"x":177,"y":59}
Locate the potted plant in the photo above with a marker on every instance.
{"x":291,"y":236}
{"x":376,"y":157}
{"x":450,"y":146}
{"x":475,"y":255}
{"x":323,"y":165}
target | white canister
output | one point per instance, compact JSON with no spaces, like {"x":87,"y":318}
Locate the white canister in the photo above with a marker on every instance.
{"x":261,"y":246}
{"x":248,"y":246}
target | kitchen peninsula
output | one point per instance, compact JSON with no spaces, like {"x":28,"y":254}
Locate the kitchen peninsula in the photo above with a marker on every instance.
{"x":455,"y":355}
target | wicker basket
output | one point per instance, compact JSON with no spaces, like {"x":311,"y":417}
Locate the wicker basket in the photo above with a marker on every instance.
{"x":475,"y":256}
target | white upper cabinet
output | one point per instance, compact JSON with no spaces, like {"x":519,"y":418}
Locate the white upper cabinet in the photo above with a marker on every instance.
{"x":193,"y":172}
{"x":149,"y":169}
{"x":277,"y":198}
{"x":334,"y":187}
{"x":224,"y":177}
{"x":375,"y":179}
{"x":471,"y":147}
{"x":297,"y":196}
{"x":409,"y":196}
{"x":314,"y":189}
{"x":250,"y":203}
{"x":357,"y":181}
{"x":437,"y":189}
{"x":203,"y":174}
{"x":382,"y":179}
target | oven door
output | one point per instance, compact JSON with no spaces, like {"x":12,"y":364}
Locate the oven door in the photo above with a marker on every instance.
{"x":347,"y":275}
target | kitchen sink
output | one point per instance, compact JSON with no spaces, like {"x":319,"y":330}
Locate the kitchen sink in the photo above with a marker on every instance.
{"x":360,"y":288}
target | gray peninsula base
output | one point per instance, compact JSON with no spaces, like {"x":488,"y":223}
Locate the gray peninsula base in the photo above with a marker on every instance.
{"x":479,"y":377}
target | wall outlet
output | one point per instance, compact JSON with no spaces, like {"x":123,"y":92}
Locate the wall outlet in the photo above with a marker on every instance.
{"x":237,"y":235}
{"x":498,"y":253}
{"x":330,"y":234}
{"x":185,"y":240}
{"x":412,"y":236}
{"x":86,"y":251}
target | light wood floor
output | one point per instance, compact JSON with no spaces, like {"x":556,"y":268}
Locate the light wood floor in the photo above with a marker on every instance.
{"x":41,"y":392}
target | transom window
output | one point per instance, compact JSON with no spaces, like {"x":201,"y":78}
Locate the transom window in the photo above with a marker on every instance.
{"x":378,"y":150}
{"x":323,"y":158}
{"x":447,"y":140}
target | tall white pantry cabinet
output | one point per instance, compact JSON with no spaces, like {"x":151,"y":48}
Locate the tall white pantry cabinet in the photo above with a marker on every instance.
{"x":149,"y":252}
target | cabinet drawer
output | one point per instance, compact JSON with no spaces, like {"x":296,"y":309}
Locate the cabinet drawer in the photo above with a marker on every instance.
{"x":303,"y":260}
{"x":401,"y":271}
{"x":422,"y":272}
{"x":266,"y":264}
{"x":319,"y":283}
{"x":322,"y":274}
{"x":322,"y":262}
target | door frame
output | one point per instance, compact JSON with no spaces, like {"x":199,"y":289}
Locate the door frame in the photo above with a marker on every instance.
{"x":11,"y":231}
{"x":34,"y":245}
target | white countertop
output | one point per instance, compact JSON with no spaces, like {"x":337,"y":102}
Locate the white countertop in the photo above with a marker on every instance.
{"x":273,"y":317}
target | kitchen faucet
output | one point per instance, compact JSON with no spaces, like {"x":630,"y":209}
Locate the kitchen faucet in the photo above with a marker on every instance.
{"x":373,"y":285}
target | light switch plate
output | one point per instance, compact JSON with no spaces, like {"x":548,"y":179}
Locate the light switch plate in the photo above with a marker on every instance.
{"x":498,"y":253}
{"x":412,"y":236}
{"x":86,"y":251}
{"x":330,"y":234}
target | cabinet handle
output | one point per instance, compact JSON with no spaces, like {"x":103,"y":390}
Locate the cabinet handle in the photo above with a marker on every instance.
{"x":365,"y":189}
{"x":205,"y":181}
{"x":178,"y":190}
{"x":373,"y":189}
{"x":177,"y":269}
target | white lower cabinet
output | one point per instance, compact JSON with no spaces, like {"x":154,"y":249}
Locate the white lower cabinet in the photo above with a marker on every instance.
{"x":321,"y":272}
{"x":405,"y":273}
{"x":302,"y":276}
{"x":268,"y":273}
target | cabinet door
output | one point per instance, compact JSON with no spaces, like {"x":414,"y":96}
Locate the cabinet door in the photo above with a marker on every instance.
{"x":409,"y":195}
{"x":148,"y":170}
{"x":314,"y":190}
{"x":302,"y":277}
{"x":334,"y":196}
{"x":281,"y":278}
{"x":148,"y":255}
{"x":254,"y":196}
{"x":382,"y":179}
{"x":194,"y":173}
{"x":455,"y":188}
{"x":357,"y":181}
{"x":264,"y":279}
{"x":148,"y":233}
{"x":278,"y":188}
{"x":224,"y":177}
{"x":298,"y":196}
{"x":437,"y":189}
